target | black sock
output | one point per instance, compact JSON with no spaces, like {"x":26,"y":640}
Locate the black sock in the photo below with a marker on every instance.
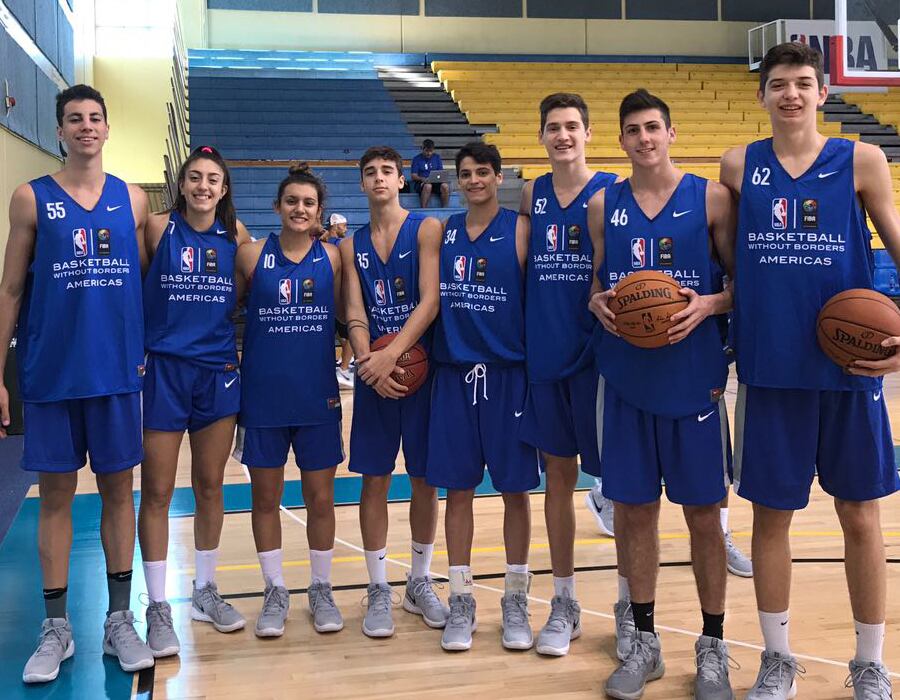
{"x":713,"y":625}
{"x":55,"y":601}
{"x":643,"y":616}
{"x":119,"y":585}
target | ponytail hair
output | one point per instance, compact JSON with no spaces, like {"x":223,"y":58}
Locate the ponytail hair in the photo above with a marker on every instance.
{"x":301,"y":174}
{"x":225,"y":208}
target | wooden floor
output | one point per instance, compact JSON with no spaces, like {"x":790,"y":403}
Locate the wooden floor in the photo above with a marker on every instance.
{"x":304,"y":664}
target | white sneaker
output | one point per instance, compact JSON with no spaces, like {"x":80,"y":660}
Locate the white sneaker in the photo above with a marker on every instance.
{"x":344,"y":377}
{"x":603,"y":511}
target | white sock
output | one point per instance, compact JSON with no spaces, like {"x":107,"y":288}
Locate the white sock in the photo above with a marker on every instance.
{"x":723,"y":518}
{"x":320,"y":564}
{"x":155,"y":576}
{"x":775,"y":631}
{"x":517,"y":568}
{"x":598,"y":483}
{"x":460,"y":580}
{"x":869,"y":642}
{"x":624,"y":591}
{"x":421,"y":559}
{"x":205,"y":566}
{"x":270,"y":563}
{"x":376,"y":566}
{"x":564,"y":586}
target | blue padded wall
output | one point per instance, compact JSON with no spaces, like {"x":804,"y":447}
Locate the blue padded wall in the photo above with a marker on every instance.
{"x":66,"y":42}
{"x":46,"y":11}
{"x":369,"y":7}
{"x":22,"y":76}
{"x":24,"y":11}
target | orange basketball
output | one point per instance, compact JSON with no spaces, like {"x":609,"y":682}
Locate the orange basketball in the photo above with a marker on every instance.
{"x":414,"y":363}
{"x":852,"y":325}
{"x":643,"y":305}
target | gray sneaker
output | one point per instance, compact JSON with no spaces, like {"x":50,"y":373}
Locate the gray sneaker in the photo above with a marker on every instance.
{"x":274,"y":613}
{"x":643,"y":664}
{"x":777,"y":677}
{"x":738,"y":563}
{"x":603,"y":511}
{"x":55,"y":645}
{"x":420,"y":599}
{"x":460,"y":625}
{"x":208,"y":606}
{"x":379,"y":619}
{"x":324,"y":611}
{"x":516,"y":629}
{"x":712,"y":670}
{"x":121,"y":640}
{"x":624,"y":628}
{"x":161,"y":637}
{"x":870,"y":681}
{"x":563,"y":625}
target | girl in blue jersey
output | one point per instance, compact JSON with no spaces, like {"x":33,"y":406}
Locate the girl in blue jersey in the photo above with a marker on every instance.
{"x":192,"y":382}
{"x":289,"y":392}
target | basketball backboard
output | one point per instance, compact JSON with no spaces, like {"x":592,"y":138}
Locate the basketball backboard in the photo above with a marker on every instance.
{"x":863,"y":49}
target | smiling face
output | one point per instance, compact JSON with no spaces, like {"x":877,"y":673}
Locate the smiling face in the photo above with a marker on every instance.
{"x":203,"y":186}
{"x":478,"y":181}
{"x":792,"y":95}
{"x":645,"y":137}
{"x":565,"y":135}
{"x":84,"y":129}
{"x":299,"y":209}
{"x":381,"y":180}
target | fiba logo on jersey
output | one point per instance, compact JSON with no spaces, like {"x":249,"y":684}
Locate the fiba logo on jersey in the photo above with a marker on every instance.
{"x":552,"y":238}
{"x":284,"y":292}
{"x":779,"y":213}
{"x":638,"y":252}
{"x":459,"y":268}
{"x":810,"y":213}
{"x":187,"y":259}
{"x":79,"y":242}
{"x":380,"y":296}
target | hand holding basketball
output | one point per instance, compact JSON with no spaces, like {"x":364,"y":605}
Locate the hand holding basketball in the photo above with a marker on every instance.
{"x":878,"y":368}
{"x":698,"y":309}
{"x":599,"y":306}
{"x":376,"y":368}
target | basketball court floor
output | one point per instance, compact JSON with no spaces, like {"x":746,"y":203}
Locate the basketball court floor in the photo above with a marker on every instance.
{"x":304,"y":664}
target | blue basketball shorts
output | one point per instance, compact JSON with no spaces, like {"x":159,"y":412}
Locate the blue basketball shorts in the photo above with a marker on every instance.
{"x":783,"y":437}
{"x":639,"y":450}
{"x":380,"y":425}
{"x":61,"y":434}
{"x":559,"y":418}
{"x":315,"y":447}
{"x":181,"y":395}
{"x":475,"y":416}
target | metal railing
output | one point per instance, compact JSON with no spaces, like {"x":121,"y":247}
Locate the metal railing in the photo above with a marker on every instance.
{"x":178,"y":141}
{"x":762,"y":38}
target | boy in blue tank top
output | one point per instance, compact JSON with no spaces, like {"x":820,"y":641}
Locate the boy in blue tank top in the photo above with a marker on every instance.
{"x":660,"y":412}
{"x":802,"y":237}
{"x":73,"y":277}
{"x":479,"y":391}
{"x":562,"y":391}
{"x":391,"y":286}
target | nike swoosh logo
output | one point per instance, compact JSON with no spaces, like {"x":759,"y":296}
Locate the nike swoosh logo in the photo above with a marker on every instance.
{"x":494,"y":240}
{"x":118,"y":206}
{"x":220,"y":232}
{"x":230,"y":382}
{"x":822,"y":176}
{"x":784,"y":623}
{"x":584,"y":206}
{"x":403,"y":255}
{"x":700,"y":419}
{"x":877,"y":395}
{"x":318,"y":259}
{"x":417,"y":551}
{"x":518,"y":413}
{"x":676,"y":214}
{"x":381,"y":557}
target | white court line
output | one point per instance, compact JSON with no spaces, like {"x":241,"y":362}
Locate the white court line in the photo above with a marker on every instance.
{"x":594,"y":613}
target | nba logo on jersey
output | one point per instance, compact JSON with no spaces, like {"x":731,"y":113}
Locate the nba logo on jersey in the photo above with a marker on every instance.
{"x":79,"y":242}
{"x":187,"y":259}
{"x":284,"y":292}
{"x":552,"y":235}
{"x":459,"y":268}
{"x":779,"y":213}
{"x":380,"y":297}
{"x":638,"y":252}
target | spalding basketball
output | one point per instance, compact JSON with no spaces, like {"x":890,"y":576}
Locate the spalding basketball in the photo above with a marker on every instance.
{"x":643,"y":305}
{"x":852,"y":325}
{"x":414,"y":363}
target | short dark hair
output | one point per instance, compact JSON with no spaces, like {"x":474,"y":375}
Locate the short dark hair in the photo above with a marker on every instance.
{"x":302,"y":174}
{"x":427,"y":143}
{"x":481,"y":153}
{"x":791,"y":53}
{"x":638,"y":101}
{"x":561,"y":100}
{"x":74,"y":94}
{"x":383,"y":152}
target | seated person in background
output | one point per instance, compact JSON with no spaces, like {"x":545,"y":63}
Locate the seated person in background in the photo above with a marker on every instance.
{"x":337,"y":228}
{"x":421,"y":168}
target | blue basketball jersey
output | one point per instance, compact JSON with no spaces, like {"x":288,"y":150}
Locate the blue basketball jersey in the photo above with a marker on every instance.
{"x":799,"y":242}
{"x":189,"y":295}
{"x":482,"y":318}
{"x":558,"y":324}
{"x":287,"y":369}
{"x":390,"y":289}
{"x":81,"y":325}
{"x":675,"y":380}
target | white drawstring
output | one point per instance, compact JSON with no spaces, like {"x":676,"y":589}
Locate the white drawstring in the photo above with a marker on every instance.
{"x":479,"y":371}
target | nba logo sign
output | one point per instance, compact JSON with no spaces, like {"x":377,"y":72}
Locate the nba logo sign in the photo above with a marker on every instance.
{"x":79,"y":241}
{"x":380,"y":297}
{"x":779,"y":213}
{"x":638,"y":252}
{"x":187,"y":259}
{"x":459,"y":268}
{"x":284,"y":292}
{"x":552,"y":232}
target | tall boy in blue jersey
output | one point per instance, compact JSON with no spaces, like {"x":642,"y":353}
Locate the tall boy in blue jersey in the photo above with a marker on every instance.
{"x":391,"y":286}
{"x":72,"y":275}
{"x":558,"y":417}
{"x":479,"y":391}
{"x":660,"y":413}
{"x":798,"y":413}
